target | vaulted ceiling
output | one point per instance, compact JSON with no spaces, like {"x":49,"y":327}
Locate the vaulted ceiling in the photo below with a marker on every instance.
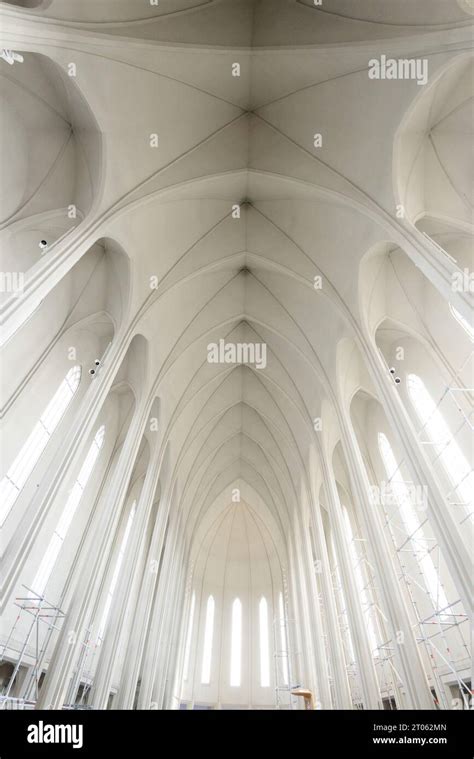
{"x":247,"y":140}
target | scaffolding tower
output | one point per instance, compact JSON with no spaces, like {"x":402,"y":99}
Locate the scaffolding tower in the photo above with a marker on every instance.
{"x":42,"y":612}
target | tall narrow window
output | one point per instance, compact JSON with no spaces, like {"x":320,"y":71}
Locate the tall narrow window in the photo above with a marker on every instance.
{"x":115,"y":576}
{"x":360,"y":583}
{"x":54,"y":547}
{"x":264,"y":648}
{"x":467,"y":327}
{"x":412,"y":524}
{"x":283,"y":640}
{"x":450,"y":454}
{"x":187,"y":650}
{"x":26,"y":460}
{"x":236,"y":643}
{"x":208,"y":636}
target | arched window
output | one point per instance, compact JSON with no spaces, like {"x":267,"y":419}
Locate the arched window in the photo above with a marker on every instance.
{"x":283,"y":640}
{"x":264,"y":648}
{"x":449,"y":453}
{"x":208,"y":636}
{"x":75,"y":495}
{"x":187,"y":650}
{"x":115,"y":576}
{"x":467,"y":327}
{"x":412,"y":523}
{"x":26,"y":460}
{"x":236,"y":644}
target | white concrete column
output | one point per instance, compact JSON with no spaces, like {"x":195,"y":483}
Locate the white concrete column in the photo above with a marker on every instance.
{"x":306,"y":663}
{"x":53,"y":690}
{"x":143,"y":612}
{"x":170,"y":699}
{"x":162,"y":691}
{"x":316,"y":624}
{"x":365,"y":662}
{"x":181,"y":634}
{"x":298,"y":654}
{"x":407,"y":654}
{"x":122,"y":611}
{"x":149,"y":696}
{"x":341,"y":683}
{"x":343,"y":621}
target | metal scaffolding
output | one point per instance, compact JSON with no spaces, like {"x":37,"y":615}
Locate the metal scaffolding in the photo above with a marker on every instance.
{"x":389,"y":679}
{"x":433,"y":630}
{"x":42,"y":612}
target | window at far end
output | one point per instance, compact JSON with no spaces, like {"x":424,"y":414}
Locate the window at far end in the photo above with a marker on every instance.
{"x":187,"y":650}
{"x":264,"y":648}
{"x":207,"y":649}
{"x":283,"y":639}
{"x":236,"y":644}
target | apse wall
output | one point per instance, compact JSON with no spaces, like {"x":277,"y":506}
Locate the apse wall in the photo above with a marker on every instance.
{"x":236,"y":563}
